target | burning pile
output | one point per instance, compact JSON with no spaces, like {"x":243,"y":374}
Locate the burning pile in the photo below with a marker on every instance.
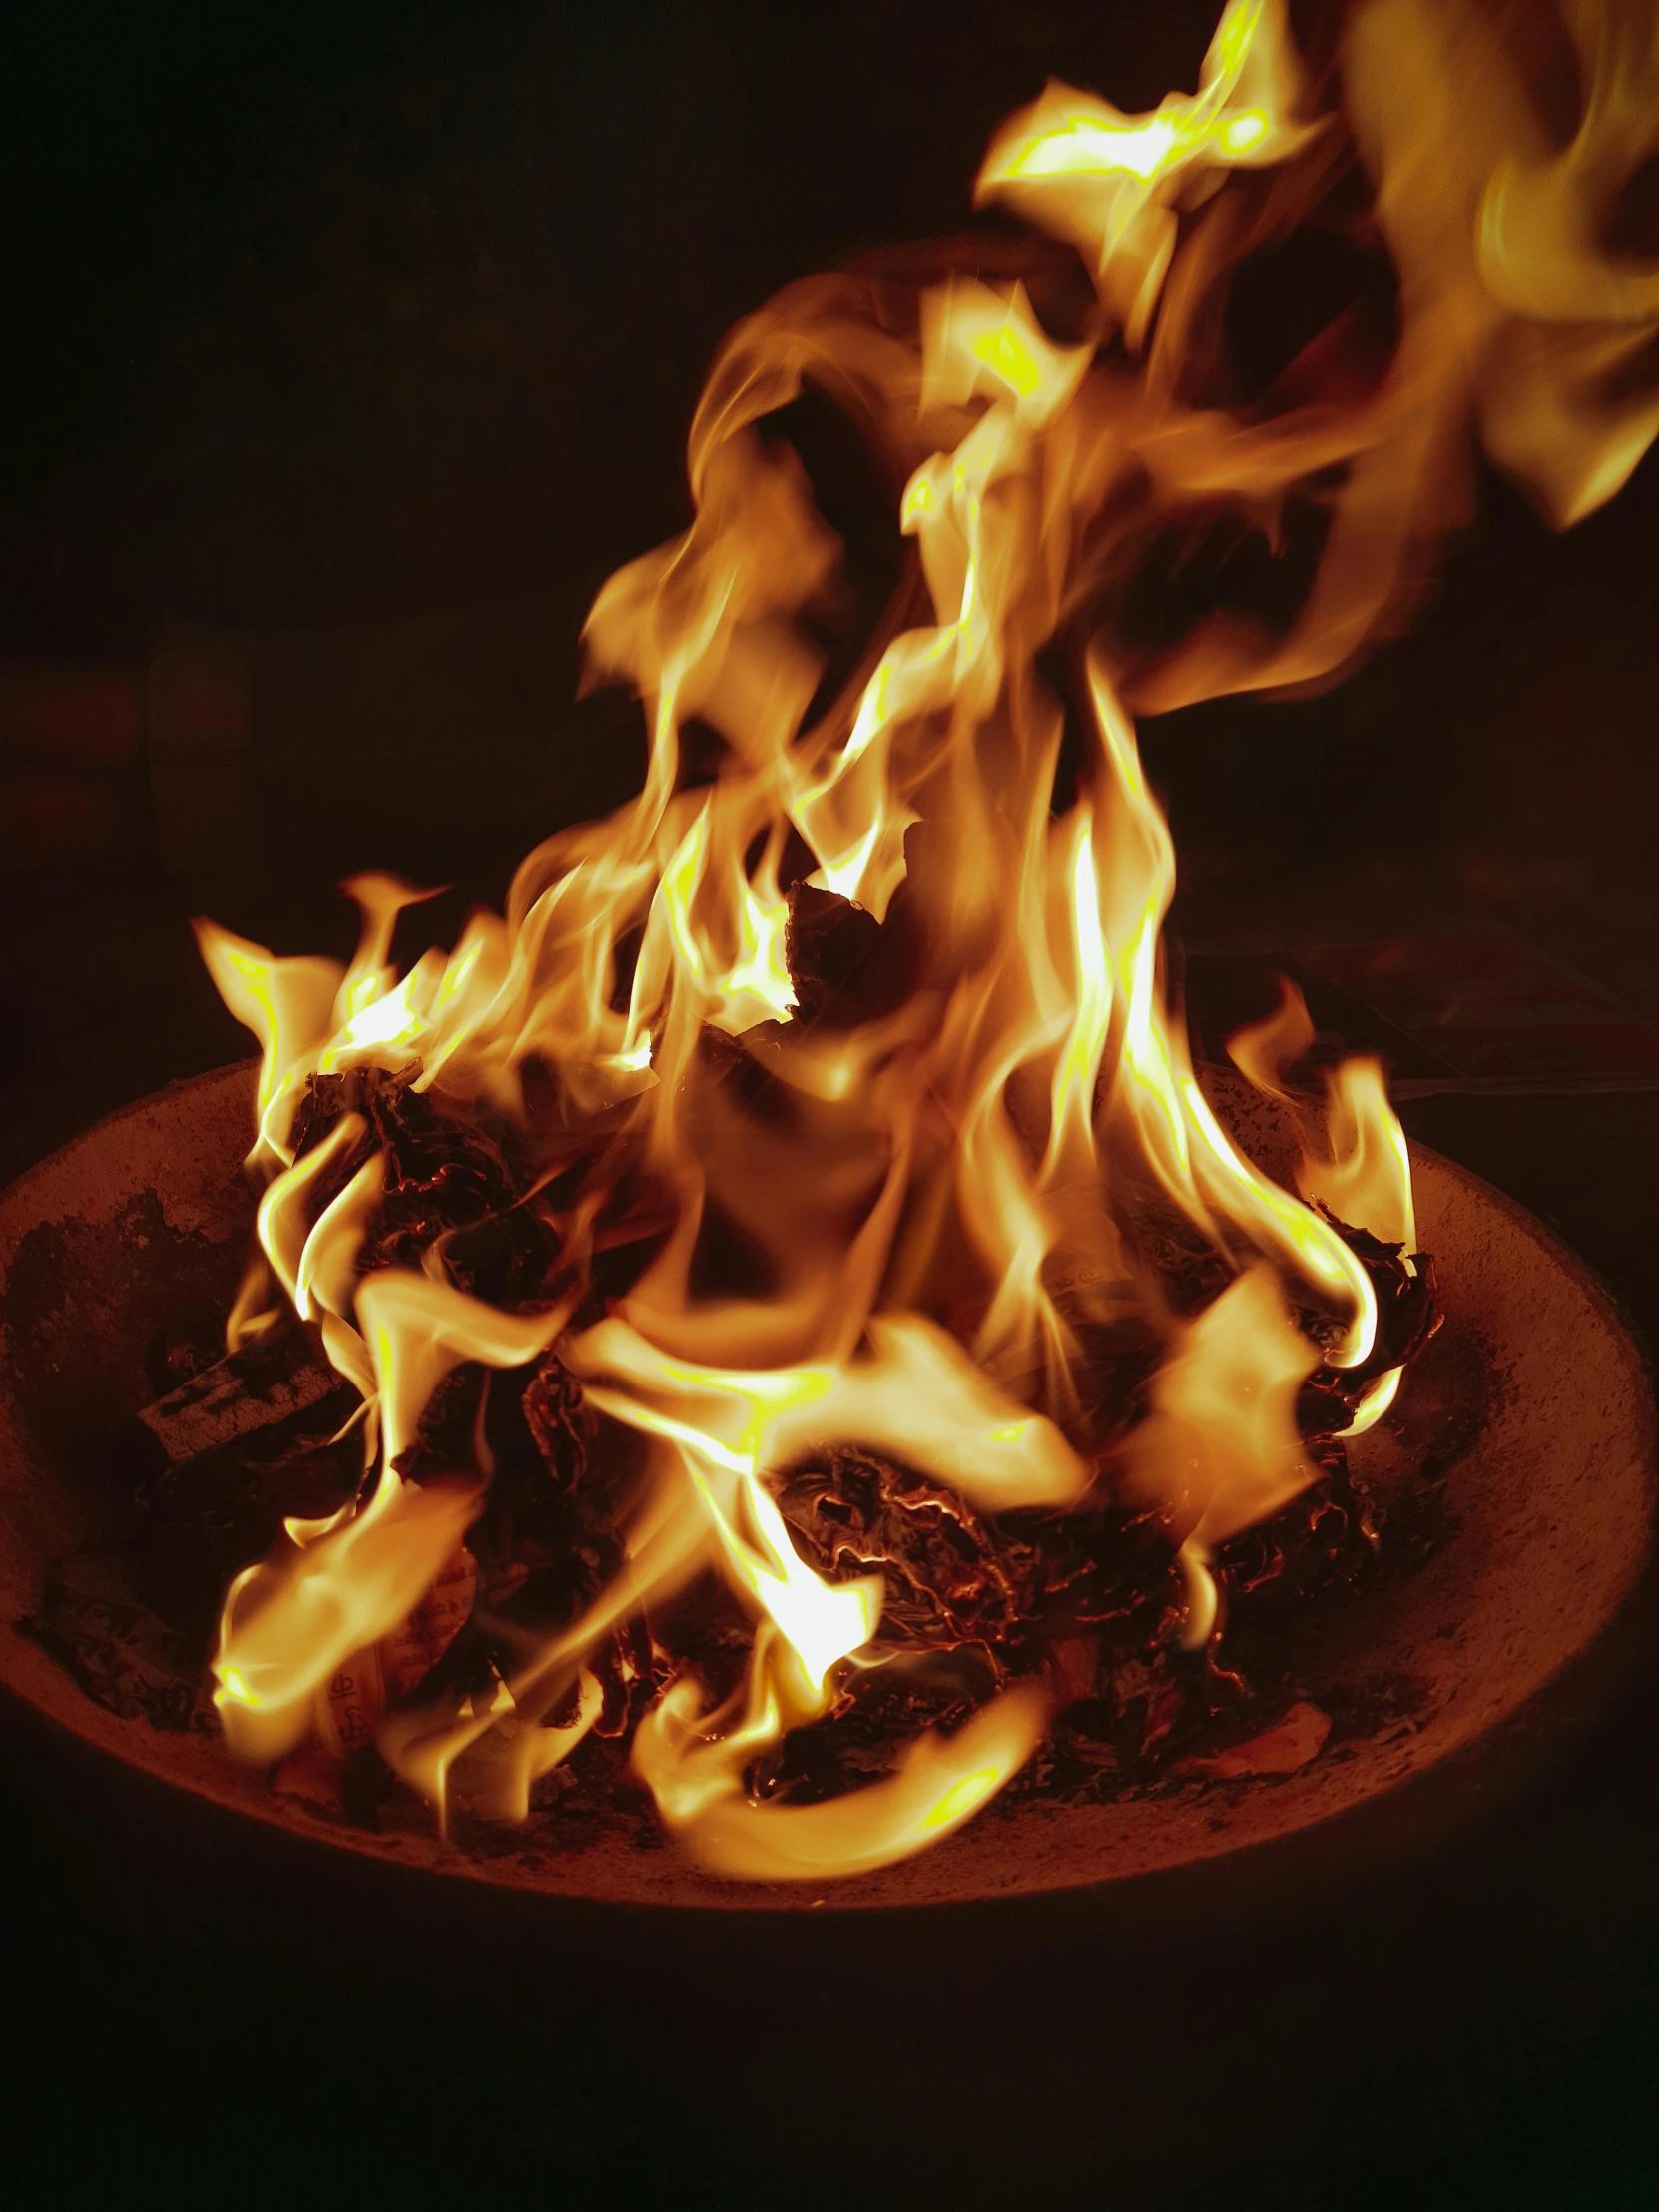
{"x":813,"y":1336}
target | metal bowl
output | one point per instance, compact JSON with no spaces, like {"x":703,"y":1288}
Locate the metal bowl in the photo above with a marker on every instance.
{"x":1533,"y":1396}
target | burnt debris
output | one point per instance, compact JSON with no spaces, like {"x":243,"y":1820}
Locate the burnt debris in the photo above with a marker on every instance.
{"x":1090,"y":1600}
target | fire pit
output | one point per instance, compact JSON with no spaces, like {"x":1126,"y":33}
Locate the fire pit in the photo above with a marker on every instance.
{"x":764,"y":1362}
{"x":1532,"y":1395}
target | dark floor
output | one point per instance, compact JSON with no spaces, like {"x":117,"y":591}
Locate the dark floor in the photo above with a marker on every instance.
{"x":376,"y":356}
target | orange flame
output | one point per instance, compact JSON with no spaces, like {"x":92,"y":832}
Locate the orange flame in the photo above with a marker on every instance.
{"x":1114,"y":184}
{"x":946,"y":1191}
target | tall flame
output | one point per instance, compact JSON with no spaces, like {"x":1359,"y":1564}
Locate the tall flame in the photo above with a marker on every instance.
{"x":946,"y":1196}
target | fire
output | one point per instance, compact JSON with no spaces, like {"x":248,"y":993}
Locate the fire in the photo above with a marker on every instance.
{"x":943,"y":1193}
{"x":1114,"y":185}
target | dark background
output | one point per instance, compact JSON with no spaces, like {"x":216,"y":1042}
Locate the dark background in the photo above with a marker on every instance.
{"x":346,"y":349}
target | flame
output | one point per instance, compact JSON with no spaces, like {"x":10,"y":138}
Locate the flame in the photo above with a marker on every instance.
{"x":1505,"y":238}
{"x":1366,"y":1178}
{"x":1220,"y":1448}
{"x":941,"y":1190}
{"x":940,"y":1782}
{"x":916,"y":1396}
{"x":1266,"y":1051}
{"x":1114,"y":185}
{"x":340,"y":1584}
{"x":1353,"y":1161}
{"x":280,"y":1645}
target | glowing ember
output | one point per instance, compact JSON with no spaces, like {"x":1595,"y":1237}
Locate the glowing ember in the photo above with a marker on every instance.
{"x":824,"y":1231}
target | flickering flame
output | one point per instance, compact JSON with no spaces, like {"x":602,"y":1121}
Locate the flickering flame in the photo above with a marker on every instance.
{"x":1353,"y":1160}
{"x":1220,"y":1448}
{"x":342,"y":1584}
{"x":941,"y":1783}
{"x":1114,"y":185}
{"x":946,"y":1192}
